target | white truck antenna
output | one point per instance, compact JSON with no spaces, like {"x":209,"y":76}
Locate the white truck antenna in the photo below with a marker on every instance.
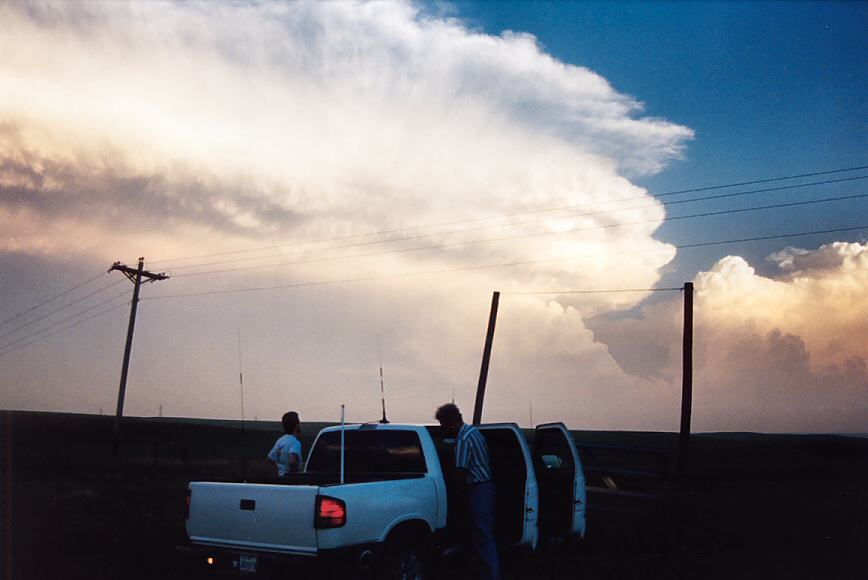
{"x":343,"y":417}
{"x":382,"y":387}
{"x":241,"y":378}
{"x":243,"y":430}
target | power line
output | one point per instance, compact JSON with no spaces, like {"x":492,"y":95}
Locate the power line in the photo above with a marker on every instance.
{"x":52,"y":325}
{"x":815,"y":174}
{"x":748,"y":209}
{"x":62,"y":308}
{"x":595,"y":291}
{"x":500,"y":265}
{"x":465,"y":230}
{"x":506,"y":216}
{"x":55,"y":297}
{"x":442,"y":271}
{"x":765,"y":238}
{"x":97,"y":315}
{"x":515,"y":237}
{"x":498,"y":226}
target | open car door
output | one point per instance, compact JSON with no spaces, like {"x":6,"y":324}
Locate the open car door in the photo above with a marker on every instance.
{"x":561,"y":481}
{"x":517,"y":503}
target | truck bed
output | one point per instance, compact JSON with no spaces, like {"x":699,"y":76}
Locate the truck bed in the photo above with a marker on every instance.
{"x":279,"y":516}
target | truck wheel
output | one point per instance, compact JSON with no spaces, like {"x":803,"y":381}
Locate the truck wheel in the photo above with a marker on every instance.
{"x":404,"y":563}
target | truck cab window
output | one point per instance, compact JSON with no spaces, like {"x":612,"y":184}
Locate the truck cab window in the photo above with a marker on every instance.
{"x":375,"y":451}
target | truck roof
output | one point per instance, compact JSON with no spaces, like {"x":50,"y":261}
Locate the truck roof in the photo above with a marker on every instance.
{"x":378,"y":426}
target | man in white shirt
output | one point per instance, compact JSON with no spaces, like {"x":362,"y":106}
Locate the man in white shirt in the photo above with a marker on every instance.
{"x":286,"y":453}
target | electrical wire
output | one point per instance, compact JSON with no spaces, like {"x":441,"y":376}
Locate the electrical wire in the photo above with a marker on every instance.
{"x":55,"y":297}
{"x":464,"y":230}
{"x":500,"y":265}
{"x":546,"y":210}
{"x":515,"y":237}
{"x":5,"y":350}
{"x":592,"y":291}
{"x":97,"y":315}
{"x":496,"y":226}
{"x":62,"y":308}
{"x":52,"y":325}
{"x":769,"y":180}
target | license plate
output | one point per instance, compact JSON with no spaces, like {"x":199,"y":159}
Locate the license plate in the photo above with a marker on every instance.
{"x":246,"y":563}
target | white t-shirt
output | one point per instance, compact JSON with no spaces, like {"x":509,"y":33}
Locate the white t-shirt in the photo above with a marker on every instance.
{"x":281,"y":451}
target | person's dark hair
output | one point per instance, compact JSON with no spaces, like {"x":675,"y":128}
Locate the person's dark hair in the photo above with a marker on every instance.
{"x":290,"y":422}
{"x":448,"y":413}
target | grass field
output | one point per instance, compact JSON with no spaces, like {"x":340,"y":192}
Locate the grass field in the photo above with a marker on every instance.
{"x":754,"y":506}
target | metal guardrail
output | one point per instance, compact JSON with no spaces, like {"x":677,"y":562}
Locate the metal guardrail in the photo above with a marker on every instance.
{"x":625,"y":448}
{"x":621,"y":480}
{"x":622,"y":493}
{"x":630,"y":472}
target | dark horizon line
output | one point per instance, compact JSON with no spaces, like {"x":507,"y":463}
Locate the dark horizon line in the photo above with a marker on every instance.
{"x":183,"y":419}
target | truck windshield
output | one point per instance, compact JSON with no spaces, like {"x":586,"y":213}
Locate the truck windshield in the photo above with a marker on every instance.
{"x":375,"y":451}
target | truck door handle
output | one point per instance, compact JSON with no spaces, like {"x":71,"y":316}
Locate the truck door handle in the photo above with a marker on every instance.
{"x":248,"y":504}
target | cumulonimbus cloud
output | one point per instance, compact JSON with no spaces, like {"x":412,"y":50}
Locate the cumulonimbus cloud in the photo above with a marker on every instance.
{"x":221,"y":126}
{"x":781,"y":353}
{"x":301,"y":119}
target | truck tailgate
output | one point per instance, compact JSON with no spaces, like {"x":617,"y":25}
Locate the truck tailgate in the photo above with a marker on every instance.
{"x":277,"y":518}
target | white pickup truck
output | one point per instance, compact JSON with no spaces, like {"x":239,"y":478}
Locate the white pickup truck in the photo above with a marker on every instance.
{"x":395,"y":507}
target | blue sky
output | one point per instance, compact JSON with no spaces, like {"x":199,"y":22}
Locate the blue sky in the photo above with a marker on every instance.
{"x":770,"y":89}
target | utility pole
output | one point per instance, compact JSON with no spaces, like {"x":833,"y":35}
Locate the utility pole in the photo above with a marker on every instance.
{"x":135,"y":276}
{"x":486,"y":358}
{"x":687,"y":382}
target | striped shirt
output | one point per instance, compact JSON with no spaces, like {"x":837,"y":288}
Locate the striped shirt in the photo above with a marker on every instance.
{"x":471,"y":453}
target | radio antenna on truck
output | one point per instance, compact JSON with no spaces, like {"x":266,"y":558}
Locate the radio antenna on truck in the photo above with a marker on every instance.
{"x":343,"y":420}
{"x":382,"y":388}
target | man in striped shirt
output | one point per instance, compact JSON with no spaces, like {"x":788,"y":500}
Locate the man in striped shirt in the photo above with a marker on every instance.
{"x":473,"y":468}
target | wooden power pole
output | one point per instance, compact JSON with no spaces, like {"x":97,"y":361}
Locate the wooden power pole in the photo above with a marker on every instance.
{"x":687,"y":381}
{"x":135,"y":276}
{"x":486,"y":358}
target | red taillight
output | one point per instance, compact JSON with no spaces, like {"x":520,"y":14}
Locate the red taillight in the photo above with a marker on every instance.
{"x":187,"y":505}
{"x":330,"y":512}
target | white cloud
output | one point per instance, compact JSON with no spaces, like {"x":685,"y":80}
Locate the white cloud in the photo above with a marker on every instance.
{"x":821,"y":298}
{"x":372,"y":109}
{"x":784,"y":353}
{"x":165,"y":129}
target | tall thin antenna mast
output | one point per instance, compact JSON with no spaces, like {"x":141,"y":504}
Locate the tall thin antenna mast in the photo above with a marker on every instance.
{"x":382,"y":387}
{"x":241,"y":378}
{"x":243,"y":429}
{"x":343,"y":450}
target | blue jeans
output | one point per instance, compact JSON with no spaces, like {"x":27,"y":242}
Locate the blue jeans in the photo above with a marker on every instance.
{"x":480,"y":503}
